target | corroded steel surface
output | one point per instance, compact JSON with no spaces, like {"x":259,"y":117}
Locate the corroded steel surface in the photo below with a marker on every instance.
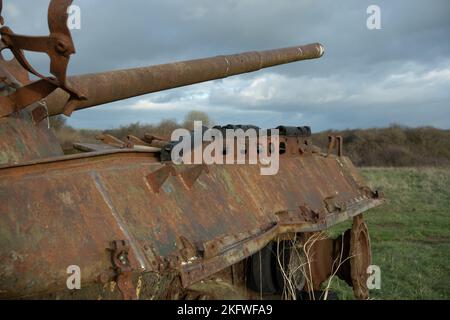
{"x":118,"y":85}
{"x":75,"y":208}
{"x":21,"y":140}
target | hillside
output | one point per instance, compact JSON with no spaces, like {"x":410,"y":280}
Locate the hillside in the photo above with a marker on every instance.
{"x":394,"y":146}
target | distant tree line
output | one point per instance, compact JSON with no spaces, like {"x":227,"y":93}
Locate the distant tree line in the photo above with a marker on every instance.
{"x":395,"y":146}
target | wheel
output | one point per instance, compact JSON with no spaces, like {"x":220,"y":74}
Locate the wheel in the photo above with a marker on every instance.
{"x":360,"y":257}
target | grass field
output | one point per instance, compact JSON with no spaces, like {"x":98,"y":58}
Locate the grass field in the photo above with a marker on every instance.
{"x":410,"y":235}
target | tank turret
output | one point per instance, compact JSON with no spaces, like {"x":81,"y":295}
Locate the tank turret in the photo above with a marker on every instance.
{"x":25,"y":104}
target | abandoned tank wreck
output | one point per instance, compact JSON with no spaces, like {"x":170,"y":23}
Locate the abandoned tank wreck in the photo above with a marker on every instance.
{"x":137,"y":225}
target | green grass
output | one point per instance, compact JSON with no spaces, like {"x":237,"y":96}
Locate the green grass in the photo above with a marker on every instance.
{"x":410,"y":235}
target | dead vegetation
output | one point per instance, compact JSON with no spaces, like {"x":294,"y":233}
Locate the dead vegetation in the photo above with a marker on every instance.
{"x":297,"y":273}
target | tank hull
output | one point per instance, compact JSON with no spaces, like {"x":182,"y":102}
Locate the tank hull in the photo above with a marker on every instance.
{"x":185,"y":222}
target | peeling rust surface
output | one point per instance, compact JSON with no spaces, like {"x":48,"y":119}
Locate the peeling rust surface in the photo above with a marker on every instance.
{"x":226,"y":215}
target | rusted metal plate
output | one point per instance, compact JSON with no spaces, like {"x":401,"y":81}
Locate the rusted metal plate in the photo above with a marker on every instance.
{"x":22,"y":140}
{"x":227,"y":214}
{"x":92,"y":147}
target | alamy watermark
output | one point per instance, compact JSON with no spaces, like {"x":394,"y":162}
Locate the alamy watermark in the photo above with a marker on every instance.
{"x":74,"y":17}
{"x":227,"y":146}
{"x":374,"y":279}
{"x":73,"y":282}
{"x":374,"y":19}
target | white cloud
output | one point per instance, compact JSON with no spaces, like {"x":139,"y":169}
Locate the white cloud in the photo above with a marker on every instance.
{"x":270,"y":93}
{"x":407,"y":87}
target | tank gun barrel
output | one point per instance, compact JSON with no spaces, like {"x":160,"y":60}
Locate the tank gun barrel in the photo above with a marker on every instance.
{"x":101,"y":88}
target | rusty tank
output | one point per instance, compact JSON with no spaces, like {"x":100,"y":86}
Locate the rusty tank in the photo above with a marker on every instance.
{"x":120,"y":220}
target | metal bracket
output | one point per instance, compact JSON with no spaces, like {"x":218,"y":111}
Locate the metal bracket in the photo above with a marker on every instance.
{"x":58,"y":46}
{"x":120,"y":259}
{"x":135,"y":141}
{"x":188,"y":251}
{"x":335,"y":142}
{"x":39,"y":113}
{"x":111,"y":141}
{"x":157,"y":178}
{"x":191,"y":175}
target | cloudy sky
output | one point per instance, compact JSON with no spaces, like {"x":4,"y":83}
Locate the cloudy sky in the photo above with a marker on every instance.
{"x":367,"y":78}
